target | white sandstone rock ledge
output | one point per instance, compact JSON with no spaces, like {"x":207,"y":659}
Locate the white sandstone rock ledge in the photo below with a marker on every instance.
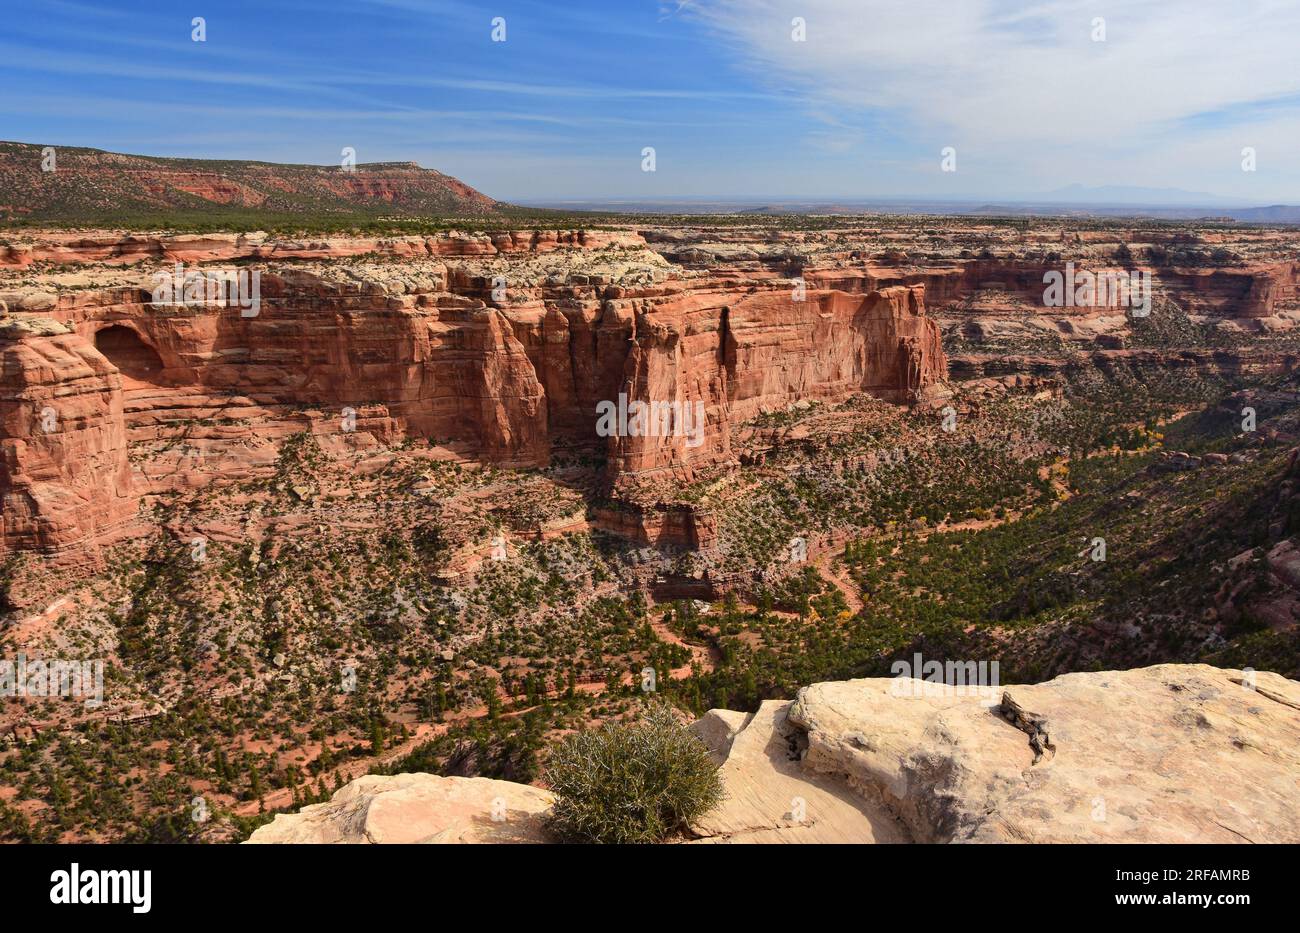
{"x":1172,"y":753}
{"x":417,"y":808}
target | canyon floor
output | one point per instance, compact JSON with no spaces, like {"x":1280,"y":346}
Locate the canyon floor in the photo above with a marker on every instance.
{"x":373,"y":527}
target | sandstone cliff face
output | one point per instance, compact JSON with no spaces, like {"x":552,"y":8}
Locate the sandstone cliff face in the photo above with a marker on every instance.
{"x":64,"y":476}
{"x":448,"y":369}
{"x":1172,"y":753}
{"x":413,"y":335}
{"x":368,"y":360}
{"x":1249,"y":291}
{"x":738,"y":357}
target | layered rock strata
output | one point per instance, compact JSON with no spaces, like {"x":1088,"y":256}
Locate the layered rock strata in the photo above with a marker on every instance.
{"x":64,"y":476}
{"x":504,"y":346}
{"x":512,"y":380}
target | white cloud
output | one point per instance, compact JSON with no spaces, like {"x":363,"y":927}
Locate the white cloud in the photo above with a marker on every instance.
{"x":1022,"y":90}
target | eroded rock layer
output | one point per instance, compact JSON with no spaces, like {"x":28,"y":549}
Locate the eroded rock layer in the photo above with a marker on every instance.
{"x":503,"y":347}
{"x":63,"y":462}
{"x":507,"y":368}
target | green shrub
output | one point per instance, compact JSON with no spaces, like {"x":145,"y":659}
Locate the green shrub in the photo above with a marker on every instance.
{"x":631,"y":782}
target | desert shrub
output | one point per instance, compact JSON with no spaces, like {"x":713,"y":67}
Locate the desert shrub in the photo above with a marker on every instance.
{"x":631,"y":782}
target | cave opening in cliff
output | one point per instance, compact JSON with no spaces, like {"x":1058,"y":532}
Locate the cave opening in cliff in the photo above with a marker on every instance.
{"x":125,"y":350}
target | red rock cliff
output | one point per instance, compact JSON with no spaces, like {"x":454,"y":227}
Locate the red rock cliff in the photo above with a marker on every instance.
{"x":64,"y":476}
{"x":508,"y":385}
{"x":738,"y":356}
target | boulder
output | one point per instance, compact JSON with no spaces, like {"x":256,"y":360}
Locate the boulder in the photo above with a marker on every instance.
{"x":717,"y":728}
{"x":1284,"y":561}
{"x":416,"y":808}
{"x":772,"y":797}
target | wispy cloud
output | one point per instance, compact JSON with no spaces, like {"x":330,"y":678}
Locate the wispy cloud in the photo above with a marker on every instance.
{"x":1041,"y":84}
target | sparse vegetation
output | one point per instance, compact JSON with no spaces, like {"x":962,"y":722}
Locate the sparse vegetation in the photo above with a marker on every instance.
{"x":347,"y":618}
{"x":631,"y":782}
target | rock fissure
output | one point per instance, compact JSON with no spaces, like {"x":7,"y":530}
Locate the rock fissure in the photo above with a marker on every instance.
{"x":1033,"y":725}
{"x":1266,"y":694}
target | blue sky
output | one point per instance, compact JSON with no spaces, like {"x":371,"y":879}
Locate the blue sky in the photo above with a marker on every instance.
{"x":732,"y":102}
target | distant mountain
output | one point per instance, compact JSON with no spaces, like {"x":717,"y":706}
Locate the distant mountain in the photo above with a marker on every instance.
{"x":1273,"y":214}
{"x":1276,"y":214}
{"x":91,"y":184}
{"x":1137,"y":196}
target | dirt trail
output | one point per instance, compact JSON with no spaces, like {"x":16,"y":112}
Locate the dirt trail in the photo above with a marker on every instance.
{"x":839,"y":575}
{"x":701,"y":655}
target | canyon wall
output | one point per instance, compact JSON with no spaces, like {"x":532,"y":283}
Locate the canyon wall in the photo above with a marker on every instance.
{"x":205,"y":392}
{"x":735,"y":357}
{"x":523,"y":348}
{"x":64,"y":475}
{"x":1248,"y":291}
